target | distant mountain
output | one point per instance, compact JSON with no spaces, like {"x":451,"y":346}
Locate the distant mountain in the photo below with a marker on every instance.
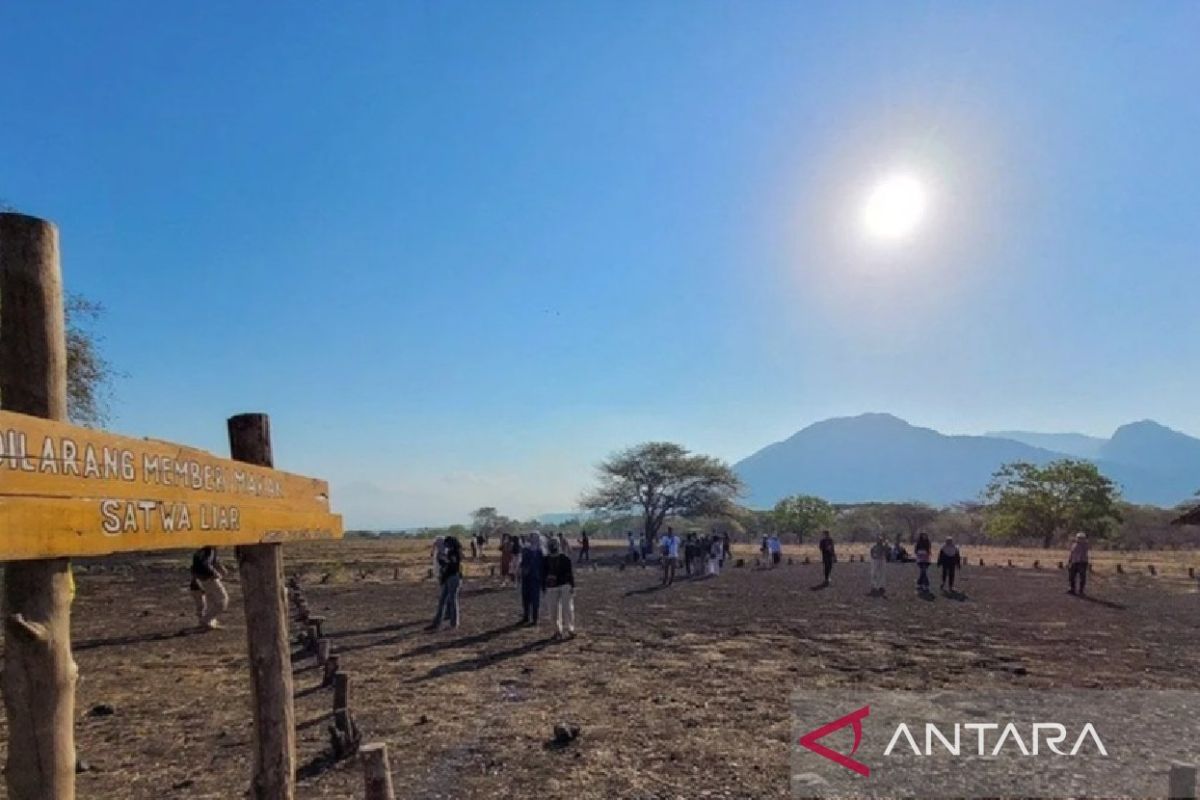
{"x":882,"y":457}
{"x":1076,"y":445}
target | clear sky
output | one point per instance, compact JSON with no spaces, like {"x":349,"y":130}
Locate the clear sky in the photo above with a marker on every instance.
{"x":462,"y":251}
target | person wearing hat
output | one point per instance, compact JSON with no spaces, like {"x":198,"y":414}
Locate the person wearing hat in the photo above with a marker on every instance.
{"x":949,"y":560}
{"x":1077,"y":564}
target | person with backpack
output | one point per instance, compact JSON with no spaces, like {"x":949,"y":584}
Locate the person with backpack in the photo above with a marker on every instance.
{"x":1077,"y":564}
{"x":879,"y":557}
{"x":208,"y":593}
{"x":533,"y":564}
{"x":450,"y":579}
{"x":923,"y":549}
{"x":558,"y":582}
{"x":828,"y":555}
{"x":949,"y":560}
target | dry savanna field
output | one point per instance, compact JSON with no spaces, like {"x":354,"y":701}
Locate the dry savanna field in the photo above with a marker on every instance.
{"x":678,"y":693}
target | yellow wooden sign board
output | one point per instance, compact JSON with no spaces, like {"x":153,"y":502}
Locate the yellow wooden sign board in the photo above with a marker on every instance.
{"x":71,"y":491}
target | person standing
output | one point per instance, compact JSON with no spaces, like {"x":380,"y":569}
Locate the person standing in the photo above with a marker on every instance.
{"x":726,"y":548}
{"x":949,"y":559}
{"x":1077,"y":564}
{"x":435,"y":556}
{"x":208,"y":593}
{"x":828,"y":555}
{"x":879,"y":556}
{"x":632,"y":555}
{"x":514,"y":562}
{"x":505,"y":558}
{"x":670,"y":557}
{"x":558,"y":581}
{"x":715,"y":550}
{"x":585,"y":547}
{"x":450,"y":578}
{"x":563,"y":547}
{"x":775,"y":547}
{"x":923,"y":549}
{"x":533,"y":564}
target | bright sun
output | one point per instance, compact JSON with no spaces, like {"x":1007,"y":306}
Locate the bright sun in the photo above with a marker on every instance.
{"x":895,"y":207}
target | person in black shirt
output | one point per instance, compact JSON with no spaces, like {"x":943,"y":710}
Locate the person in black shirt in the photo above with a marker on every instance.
{"x":558,"y":582}
{"x":208,"y":592}
{"x":585,"y":547}
{"x":450,"y":578}
{"x":828,"y":554}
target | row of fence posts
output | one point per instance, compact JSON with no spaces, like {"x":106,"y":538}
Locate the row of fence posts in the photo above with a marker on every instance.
{"x":345,"y":737}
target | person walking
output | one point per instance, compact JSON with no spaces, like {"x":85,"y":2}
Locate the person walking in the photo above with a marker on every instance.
{"x":558,"y":582}
{"x":828,"y":555}
{"x":670,"y":557}
{"x":949,"y":559}
{"x":450,"y":578}
{"x":208,"y":592}
{"x":533,"y":563}
{"x":1077,"y":564}
{"x":585,"y":547}
{"x":879,"y":557}
{"x":775,"y":547}
{"x":923,"y":549}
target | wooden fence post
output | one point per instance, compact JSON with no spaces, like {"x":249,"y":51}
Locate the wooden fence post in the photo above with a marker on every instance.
{"x":261,"y":569}
{"x":377,"y":773}
{"x":1182,"y":781}
{"x":39,"y":671}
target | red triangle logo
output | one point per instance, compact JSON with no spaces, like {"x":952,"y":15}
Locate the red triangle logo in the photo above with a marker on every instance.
{"x":854,"y":719}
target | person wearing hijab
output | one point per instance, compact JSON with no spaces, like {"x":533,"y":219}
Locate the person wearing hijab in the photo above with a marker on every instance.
{"x":533,"y":564}
{"x":450,"y":579}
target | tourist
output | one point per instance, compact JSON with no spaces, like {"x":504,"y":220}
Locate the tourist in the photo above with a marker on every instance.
{"x":1077,"y":564}
{"x":879,"y":556}
{"x":691,"y":551}
{"x":949,"y":559}
{"x":532,"y":566}
{"x":435,"y":556}
{"x":776,"y":549}
{"x":828,"y":555}
{"x":208,"y":592}
{"x":514,"y":563}
{"x":670,"y":557}
{"x":563,"y":547}
{"x":923,"y":548}
{"x":585,"y":547}
{"x":558,"y":581}
{"x":715,"y":550}
{"x":505,"y":558}
{"x":450,"y":578}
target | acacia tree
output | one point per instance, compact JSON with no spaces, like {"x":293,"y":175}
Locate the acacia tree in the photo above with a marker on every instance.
{"x":660,"y":480}
{"x":490,"y":522}
{"x":1045,"y":502}
{"x":803,"y":515}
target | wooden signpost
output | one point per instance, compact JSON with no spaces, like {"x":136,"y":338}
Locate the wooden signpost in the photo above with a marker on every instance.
{"x":69,"y":491}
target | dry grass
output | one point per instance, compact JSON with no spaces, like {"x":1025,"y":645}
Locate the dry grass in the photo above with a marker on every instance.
{"x":679,"y":692}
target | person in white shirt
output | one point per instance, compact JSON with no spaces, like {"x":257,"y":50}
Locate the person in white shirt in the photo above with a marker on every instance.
{"x":670,"y":556}
{"x":775,"y":547}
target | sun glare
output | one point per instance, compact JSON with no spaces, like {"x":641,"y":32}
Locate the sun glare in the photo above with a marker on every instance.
{"x":895,"y":207}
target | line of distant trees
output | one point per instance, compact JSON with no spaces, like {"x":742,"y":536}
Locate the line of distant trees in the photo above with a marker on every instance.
{"x":645,"y":488}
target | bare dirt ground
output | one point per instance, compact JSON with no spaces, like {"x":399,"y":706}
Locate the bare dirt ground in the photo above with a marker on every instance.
{"x":680,"y":693}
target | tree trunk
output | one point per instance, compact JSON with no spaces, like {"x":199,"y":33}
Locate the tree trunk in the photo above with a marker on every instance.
{"x":39,"y":672}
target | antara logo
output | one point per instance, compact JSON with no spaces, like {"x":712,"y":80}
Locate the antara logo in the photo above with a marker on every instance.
{"x":854,"y":719}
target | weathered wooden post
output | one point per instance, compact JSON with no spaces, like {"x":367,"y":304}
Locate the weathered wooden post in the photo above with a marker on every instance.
{"x":377,"y":773}
{"x":1182,"y":781}
{"x":39,"y":671}
{"x":261,"y":569}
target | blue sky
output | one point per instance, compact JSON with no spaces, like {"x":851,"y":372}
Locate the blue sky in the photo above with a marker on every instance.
{"x":462,"y":251}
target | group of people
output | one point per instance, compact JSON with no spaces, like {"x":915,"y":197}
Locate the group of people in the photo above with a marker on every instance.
{"x":538,"y":565}
{"x":701,"y":554}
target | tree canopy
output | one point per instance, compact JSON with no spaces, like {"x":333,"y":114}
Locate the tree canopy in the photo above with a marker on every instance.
{"x":661,"y":480}
{"x":803,"y":515}
{"x":1048,"y":502}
